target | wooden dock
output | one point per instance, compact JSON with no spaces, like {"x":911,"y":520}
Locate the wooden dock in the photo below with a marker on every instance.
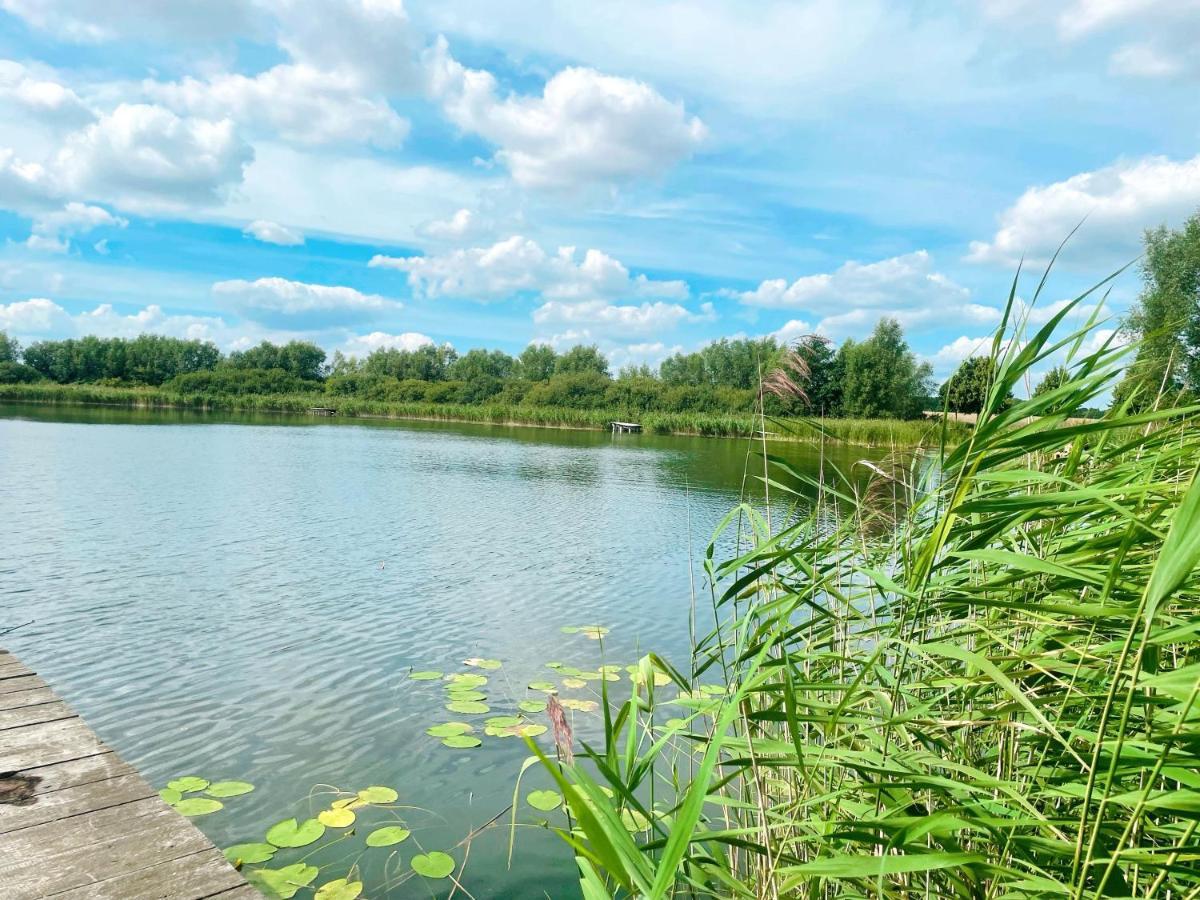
{"x":76,"y":821}
{"x":322,"y":410}
{"x":633,"y":427}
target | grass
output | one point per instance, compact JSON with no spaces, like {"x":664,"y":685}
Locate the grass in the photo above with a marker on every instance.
{"x":868,"y":432}
{"x":975,"y":678}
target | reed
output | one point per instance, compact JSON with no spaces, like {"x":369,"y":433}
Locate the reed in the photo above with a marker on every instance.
{"x":978,"y":677}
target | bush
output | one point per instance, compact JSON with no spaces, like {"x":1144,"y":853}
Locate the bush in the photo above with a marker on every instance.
{"x":18,"y":373}
{"x":578,"y":390}
{"x":238,"y":382}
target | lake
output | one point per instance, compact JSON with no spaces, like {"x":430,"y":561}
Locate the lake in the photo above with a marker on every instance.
{"x":244,"y":597}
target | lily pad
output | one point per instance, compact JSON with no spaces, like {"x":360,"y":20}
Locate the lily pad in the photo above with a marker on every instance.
{"x":170,"y":795}
{"x":468,"y":707}
{"x":525,"y":729}
{"x":547,"y":686}
{"x":290,"y":833}
{"x":594,"y":632}
{"x":467,"y":696}
{"x":339,"y":889}
{"x":347,"y":803}
{"x":580,"y":705}
{"x":504,"y":721}
{"x":249,"y":853}
{"x":544,"y":800}
{"x":377,"y":794}
{"x":229,"y":788}
{"x":386,"y":836}
{"x":433,"y":865}
{"x":467,"y":679}
{"x":461,"y":741}
{"x":574,"y":683}
{"x":187,"y":784}
{"x":554,"y":665}
{"x":482,"y":663}
{"x":424,"y":676}
{"x":610,"y":668}
{"x":198,"y":806}
{"x":283,"y":883}
{"x":532,"y":706}
{"x":448,"y":729}
{"x":570,"y":629}
{"x":336,"y":818}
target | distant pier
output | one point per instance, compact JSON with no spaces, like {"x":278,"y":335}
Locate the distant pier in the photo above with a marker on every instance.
{"x":322,"y":410}
{"x":633,"y":427}
{"x":78,"y":823}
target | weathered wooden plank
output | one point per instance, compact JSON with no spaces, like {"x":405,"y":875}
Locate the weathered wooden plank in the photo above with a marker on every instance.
{"x":14,"y":669}
{"x":72,"y":853}
{"x":47,"y":743}
{"x":34,"y":715}
{"x":245,"y":892}
{"x":193,"y":877}
{"x":17,"y":699}
{"x":23,"y":683}
{"x":77,"y":772}
{"x":74,"y":801}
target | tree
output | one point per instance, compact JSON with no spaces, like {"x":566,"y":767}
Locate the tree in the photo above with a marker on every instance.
{"x":966,"y":391}
{"x":537,"y":361}
{"x":824,"y":385}
{"x":425,"y":363}
{"x":10,"y":350}
{"x":882,"y":376}
{"x":738,"y":363}
{"x":495,"y":364}
{"x":1166,"y":319}
{"x":300,"y":358}
{"x":580,"y":359}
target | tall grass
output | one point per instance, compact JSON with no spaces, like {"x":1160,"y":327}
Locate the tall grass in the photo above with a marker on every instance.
{"x":976,"y":678}
{"x":869,"y":432}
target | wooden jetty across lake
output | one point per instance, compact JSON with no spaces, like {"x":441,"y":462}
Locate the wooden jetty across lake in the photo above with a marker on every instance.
{"x":78,"y":823}
{"x":322,"y":410}
{"x":626,"y":426}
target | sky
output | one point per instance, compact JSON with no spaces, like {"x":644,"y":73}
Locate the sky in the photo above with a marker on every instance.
{"x":646,"y":176}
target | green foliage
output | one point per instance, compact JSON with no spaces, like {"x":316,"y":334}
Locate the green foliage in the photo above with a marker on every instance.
{"x":1166,"y":319}
{"x":10,"y":349}
{"x":582,"y":360}
{"x":147,"y":359}
{"x":237,"y":382}
{"x":824,"y":384}
{"x":300,"y":358}
{"x":18,"y":373}
{"x":738,"y":363}
{"x":582,"y":389}
{"x":881,"y":376}
{"x":495,"y":364}
{"x":537,"y":362}
{"x":966,"y":391}
{"x":427,"y":363}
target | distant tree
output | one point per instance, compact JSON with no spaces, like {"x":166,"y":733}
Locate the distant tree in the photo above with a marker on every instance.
{"x":18,"y":373}
{"x":738,"y":363}
{"x":300,"y":358}
{"x":340,"y":364}
{"x":10,"y":350}
{"x":882,"y":378}
{"x":635,"y":371}
{"x":582,"y":358}
{"x":578,"y":390}
{"x":1166,"y":319}
{"x":537,"y":362}
{"x":1052,"y":381}
{"x":824,"y":387}
{"x":966,"y":391}
{"x":147,"y":359}
{"x":426,"y":363}
{"x":482,"y":363}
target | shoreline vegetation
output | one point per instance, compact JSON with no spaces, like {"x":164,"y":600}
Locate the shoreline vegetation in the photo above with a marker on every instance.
{"x":873,"y":433}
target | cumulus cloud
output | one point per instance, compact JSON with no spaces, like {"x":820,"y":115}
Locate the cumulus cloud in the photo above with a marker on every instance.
{"x":298,"y":102}
{"x":600,"y":318}
{"x":649,"y":353}
{"x":143,"y":155}
{"x":280,"y":302}
{"x":48,"y":100}
{"x":792,"y":330}
{"x":1114,"y":204}
{"x":364,"y":344}
{"x":42,"y":318}
{"x":585,"y":128}
{"x":459,"y":226}
{"x":36,"y":316}
{"x":518,"y":264}
{"x":51,"y":230}
{"x":23,"y":184}
{"x":273,"y":233}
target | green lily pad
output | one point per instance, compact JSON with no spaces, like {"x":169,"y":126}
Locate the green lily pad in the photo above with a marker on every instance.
{"x":610,"y":668}
{"x":525,"y":729}
{"x":198,"y":806}
{"x":386,"y":836}
{"x":532,"y":706}
{"x":570,"y":629}
{"x":580,"y":705}
{"x":282,"y":883}
{"x":339,"y":889}
{"x":467,"y":679}
{"x":554,"y":665}
{"x":574,"y":683}
{"x":187,"y":784}
{"x":249,"y":853}
{"x":594,"y":632}
{"x":229,"y":788}
{"x":544,"y":800}
{"x":348,"y":803}
{"x":336,"y":818}
{"x":503,"y":721}
{"x":461,"y":741}
{"x":467,"y":696}
{"x":449,"y":729}
{"x":170,"y":795}
{"x":290,"y":833}
{"x":377,"y":794}
{"x":547,"y":686}
{"x":468,"y":707}
{"x":433,"y":865}
{"x":490,"y":664}
{"x":424,"y":676}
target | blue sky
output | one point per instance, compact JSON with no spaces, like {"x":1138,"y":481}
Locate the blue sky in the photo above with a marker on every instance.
{"x":646,"y":176}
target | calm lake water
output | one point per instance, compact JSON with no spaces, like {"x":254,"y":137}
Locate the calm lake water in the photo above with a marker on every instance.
{"x":244,"y":598}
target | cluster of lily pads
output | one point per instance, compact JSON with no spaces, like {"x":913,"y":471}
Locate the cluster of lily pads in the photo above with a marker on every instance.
{"x":209,"y":794}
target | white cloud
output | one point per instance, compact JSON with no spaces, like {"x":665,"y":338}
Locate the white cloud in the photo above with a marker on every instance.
{"x":1114,"y":204}
{"x":462,"y":224}
{"x":273,"y":233}
{"x":298,"y":102}
{"x":949,"y":357}
{"x":36,"y":316}
{"x":586,"y":128}
{"x":792,"y":330}
{"x":518,"y":264}
{"x":650,"y":353}
{"x":278,"y":301}
{"x":140,"y":155}
{"x":42,"y":318}
{"x":50,"y":230}
{"x":1145,"y":61}
{"x":23,"y":185}
{"x":600,"y":318}
{"x":48,"y":100}
{"x":363,"y":344}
